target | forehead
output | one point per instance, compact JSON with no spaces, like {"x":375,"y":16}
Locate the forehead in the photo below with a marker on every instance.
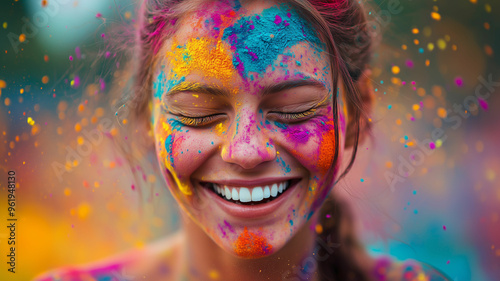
{"x":256,"y":42}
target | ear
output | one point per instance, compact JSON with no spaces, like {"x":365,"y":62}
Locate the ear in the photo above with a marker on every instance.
{"x":366,"y":94}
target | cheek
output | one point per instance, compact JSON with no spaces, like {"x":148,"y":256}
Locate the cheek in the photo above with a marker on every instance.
{"x":180,"y":151}
{"x":312,"y":144}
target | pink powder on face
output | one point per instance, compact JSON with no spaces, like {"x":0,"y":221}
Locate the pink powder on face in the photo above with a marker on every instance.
{"x":297,"y":134}
{"x":277,"y":20}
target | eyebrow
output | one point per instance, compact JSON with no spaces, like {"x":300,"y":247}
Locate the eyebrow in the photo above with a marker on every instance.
{"x":198,"y":88}
{"x":290,"y":84}
{"x":267,"y":90}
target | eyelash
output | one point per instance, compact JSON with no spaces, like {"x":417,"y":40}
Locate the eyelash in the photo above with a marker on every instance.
{"x":296,"y":115}
{"x":200,"y":121}
{"x":196,"y":121}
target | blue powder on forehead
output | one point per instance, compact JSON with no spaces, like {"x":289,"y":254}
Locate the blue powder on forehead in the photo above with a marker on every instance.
{"x":162,"y":85}
{"x":258,"y":40}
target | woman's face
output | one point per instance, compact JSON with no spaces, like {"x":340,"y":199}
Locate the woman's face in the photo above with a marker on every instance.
{"x":244,"y":123}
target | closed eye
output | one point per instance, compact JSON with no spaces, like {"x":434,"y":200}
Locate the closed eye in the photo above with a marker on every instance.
{"x":293,"y":116}
{"x":198,"y":121}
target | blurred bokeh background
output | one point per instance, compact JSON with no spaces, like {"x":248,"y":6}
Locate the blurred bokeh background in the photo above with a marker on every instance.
{"x":77,"y":200}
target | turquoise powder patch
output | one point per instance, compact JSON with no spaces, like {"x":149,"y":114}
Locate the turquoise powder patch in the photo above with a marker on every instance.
{"x":258,"y":40}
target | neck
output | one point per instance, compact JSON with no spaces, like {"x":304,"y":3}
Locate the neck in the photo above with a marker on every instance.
{"x":205,"y":260}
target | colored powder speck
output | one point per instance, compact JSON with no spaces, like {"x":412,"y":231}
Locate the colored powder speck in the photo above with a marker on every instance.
{"x":175,"y":125}
{"x":168,"y":146}
{"x":483,"y":103}
{"x":280,"y":125}
{"x":102,"y":84}
{"x":291,"y":222}
{"x":310,"y":215}
{"x":362,"y":180}
{"x":284,"y":166}
{"x":219,"y":129}
{"x":228,"y":225}
{"x":222,"y":231}
{"x":268,"y":38}
{"x":250,"y":244}
{"x":409,"y":64}
{"x":76,"y":82}
{"x":298,"y":63}
{"x":277,"y":19}
{"x":432,"y":145}
{"x":459,"y":81}
{"x":444,"y":227}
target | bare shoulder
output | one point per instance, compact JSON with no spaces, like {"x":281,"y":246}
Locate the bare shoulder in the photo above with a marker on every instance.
{"x":408,"y":270}
{"x":158,"y":260}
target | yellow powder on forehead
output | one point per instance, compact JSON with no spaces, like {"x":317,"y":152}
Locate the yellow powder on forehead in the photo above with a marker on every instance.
{"x":212,"y":58}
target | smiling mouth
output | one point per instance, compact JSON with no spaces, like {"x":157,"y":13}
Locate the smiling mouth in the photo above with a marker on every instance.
{"x":250,"y":195}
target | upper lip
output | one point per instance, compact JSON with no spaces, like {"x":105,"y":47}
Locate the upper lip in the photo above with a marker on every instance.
{"x":250,"y":183}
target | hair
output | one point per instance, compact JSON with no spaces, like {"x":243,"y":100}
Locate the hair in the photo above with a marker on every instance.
{"x":343,"y":26}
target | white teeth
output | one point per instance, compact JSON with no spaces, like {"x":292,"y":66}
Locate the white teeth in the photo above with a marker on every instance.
{"x":257,"y":194}
{"x":274,"y":190}
{"x":267,"y":192}
{"x":245,"y":195}
{"x":235,"y":194}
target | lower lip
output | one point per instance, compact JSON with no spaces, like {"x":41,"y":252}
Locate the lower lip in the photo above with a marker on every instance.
{"x":251,"y":211}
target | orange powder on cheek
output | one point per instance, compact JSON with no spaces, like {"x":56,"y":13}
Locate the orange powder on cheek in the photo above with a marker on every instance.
{"x":250,"y":244}
{"x":327,"y":148}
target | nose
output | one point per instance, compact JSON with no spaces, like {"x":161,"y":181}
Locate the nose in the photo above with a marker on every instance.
{"x":247,"y":145}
